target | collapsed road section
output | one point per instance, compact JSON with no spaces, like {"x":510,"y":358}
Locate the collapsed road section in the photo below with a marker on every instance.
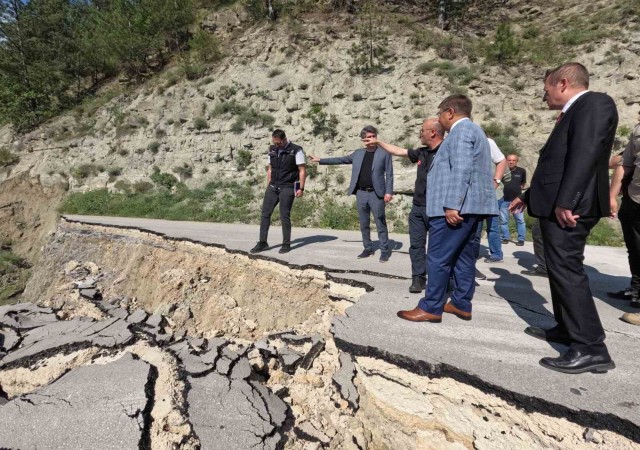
{"x":134,"y":340}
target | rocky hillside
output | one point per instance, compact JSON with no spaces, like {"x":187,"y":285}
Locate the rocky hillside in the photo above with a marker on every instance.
{"x":301,"y":74}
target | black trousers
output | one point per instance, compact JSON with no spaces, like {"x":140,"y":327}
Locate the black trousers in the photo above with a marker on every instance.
{"x":573,"y":305}
{"x":538,"y":244}
{"x":629,"y":216}
{"x":274,"y":195}
{"x":418,"y":229}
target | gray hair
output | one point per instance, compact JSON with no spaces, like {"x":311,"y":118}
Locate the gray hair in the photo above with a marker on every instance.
{"x":368,"y":129}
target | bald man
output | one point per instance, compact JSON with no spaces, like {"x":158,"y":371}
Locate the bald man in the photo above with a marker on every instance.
{"x":431,"y":136}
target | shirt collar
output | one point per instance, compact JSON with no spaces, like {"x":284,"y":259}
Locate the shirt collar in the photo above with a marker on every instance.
{"x":572,"y":100}
{"x":457,"y":122}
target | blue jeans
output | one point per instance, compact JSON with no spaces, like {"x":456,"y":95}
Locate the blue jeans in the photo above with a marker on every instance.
{"x":450,"y":250}
{"x":503,"y":205}
{"x":493,"y":236}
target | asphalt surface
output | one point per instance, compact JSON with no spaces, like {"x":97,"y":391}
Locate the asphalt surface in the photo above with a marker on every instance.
{"x":490,"y":352}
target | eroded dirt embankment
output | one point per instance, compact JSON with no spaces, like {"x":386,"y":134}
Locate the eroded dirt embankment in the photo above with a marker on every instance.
{"x":245,"y":343}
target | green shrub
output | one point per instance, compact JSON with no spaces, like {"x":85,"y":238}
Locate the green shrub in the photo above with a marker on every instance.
{"x":336,"y":216}
{"x":226,"y":92}
{"x":243,"y":159}
{"x":312,"y":171}
{"x":184,"y":171}
{"x":7,"y":158}
{"x":506,"y":46}
{"x":123,"y":186}
{"x":84,"y":171}
{"x":503,"y":135}
{"x":200,"y":123}
{"x":114,"y":171}
{"x":164,"y":179}
{"x":154,"y":147}
{"x":323,"y":124}
{"x":455,"y":74}
{"x":140,"y":187}
{"x":205,"y":47}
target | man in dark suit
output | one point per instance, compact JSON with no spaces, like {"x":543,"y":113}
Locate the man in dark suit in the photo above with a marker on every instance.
{"x":569,"y":194}
{"x":372,"y":183}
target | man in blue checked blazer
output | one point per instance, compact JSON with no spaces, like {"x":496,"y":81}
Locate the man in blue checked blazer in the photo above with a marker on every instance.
{"x":460,"y":192}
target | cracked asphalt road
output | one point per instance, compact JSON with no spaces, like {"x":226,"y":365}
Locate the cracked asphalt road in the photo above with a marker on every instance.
{"x":490,"y":352}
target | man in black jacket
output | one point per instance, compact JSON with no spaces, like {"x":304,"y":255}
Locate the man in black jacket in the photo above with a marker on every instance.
{"x":286,"y":175}
{"x":569,"y":193}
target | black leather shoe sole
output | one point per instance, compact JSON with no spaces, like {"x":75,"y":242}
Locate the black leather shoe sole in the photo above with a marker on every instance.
{"x":594,"y":368}
{"x":539,"y":333}
{"x":619,"y":295}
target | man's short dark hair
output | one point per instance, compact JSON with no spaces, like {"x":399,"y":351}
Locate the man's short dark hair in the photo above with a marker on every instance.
{"x":278,"y":133}
{"x":461,"y":104}
{"x":368,"y":129}
{"x":576,"y":74}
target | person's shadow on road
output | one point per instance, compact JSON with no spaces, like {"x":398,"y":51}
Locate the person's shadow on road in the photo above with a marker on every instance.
{"x":600,"y":283}
{"x":301,"y":242}
{"x":525,"y":301}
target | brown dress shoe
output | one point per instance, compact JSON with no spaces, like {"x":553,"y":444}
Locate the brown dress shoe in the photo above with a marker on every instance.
{"x":449,"y":308}
{"x":419,"y":315}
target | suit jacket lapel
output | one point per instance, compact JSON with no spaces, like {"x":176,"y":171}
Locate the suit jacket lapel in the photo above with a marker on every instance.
{"x":565,"y":119}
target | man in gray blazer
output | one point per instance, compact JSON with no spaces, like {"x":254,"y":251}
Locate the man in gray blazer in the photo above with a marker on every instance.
{"x":372,"y":183}
{"x":460,"y":193}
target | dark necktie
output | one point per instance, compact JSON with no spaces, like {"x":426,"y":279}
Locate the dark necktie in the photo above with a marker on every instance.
{"x":559,"y":118}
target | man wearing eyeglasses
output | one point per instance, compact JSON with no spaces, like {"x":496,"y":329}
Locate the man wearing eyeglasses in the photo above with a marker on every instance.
{"x":431,"y":136}
{"x":460,"y":193}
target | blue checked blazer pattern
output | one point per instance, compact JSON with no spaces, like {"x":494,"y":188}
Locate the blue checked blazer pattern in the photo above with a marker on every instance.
{"x":461,"y":175}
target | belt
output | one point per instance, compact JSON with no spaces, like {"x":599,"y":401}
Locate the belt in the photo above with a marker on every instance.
{"x":367,"y":189}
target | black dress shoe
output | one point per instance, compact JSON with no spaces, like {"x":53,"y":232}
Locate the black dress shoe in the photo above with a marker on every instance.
{"x":535,"y":272}
{"x":574,"y":361}
{"x":624,"y":294}
{"x":365,"y":253}
{"x":550,"y":335}
{"x":260,"y":247}
{"x":417,"y":285}
{"x":285,"y":248}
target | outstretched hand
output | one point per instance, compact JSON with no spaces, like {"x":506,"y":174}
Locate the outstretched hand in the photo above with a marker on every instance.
{"x":314,"y":159}
{"x":370,"y":141}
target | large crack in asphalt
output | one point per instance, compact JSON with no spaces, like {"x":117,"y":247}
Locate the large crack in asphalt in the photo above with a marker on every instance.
{"x":526,"y":403}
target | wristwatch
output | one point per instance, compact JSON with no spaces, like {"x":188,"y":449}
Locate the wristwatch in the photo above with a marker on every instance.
{"x":497,"y":180}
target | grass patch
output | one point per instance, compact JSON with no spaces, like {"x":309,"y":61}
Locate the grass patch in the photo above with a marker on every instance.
{"x":216,"y":202}
{"x":7,"y":158}
{"x":455,"y":74}
{"x":14,"y":273}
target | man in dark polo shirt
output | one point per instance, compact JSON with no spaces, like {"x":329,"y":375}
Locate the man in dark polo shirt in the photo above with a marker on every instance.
{"x":431,"y":136}
{"x":372,"y":184}
{"x":286,"y":174}
{"x":512,"y":189}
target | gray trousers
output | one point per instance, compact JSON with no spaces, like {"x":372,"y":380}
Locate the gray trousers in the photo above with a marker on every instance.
{"x":367,"y":203}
